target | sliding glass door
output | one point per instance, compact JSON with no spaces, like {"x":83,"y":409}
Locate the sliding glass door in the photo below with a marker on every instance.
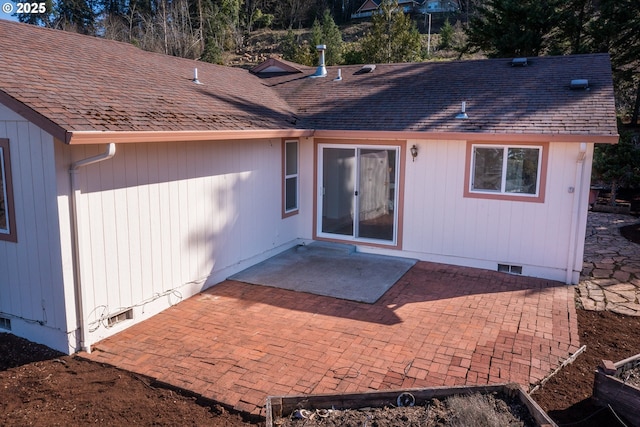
{"x":357,"y":195}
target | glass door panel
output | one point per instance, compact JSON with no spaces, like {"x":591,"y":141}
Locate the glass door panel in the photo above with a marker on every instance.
{"x":357,"y":192}
{"x":338,"y":189}
{"x":376,"y":194}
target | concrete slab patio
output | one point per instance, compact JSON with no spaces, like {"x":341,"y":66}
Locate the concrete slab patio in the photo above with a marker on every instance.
{"x":329,"y":269}
{"x":238,"y":343}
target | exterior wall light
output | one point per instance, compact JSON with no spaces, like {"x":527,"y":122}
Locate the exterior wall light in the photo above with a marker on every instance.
{"x":414,"y":152}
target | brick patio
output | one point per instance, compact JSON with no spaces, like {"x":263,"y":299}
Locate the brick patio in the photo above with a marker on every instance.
{"x":439,"y":325}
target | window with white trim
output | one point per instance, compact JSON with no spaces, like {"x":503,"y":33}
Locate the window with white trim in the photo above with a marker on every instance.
{"x":290,"y":185}
{"x":512,"y":170}
{"x":7,"y":226}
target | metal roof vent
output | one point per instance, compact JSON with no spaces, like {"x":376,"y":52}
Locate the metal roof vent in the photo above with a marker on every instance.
{"x":195,"y":77}
{"x":519,"y":62}
{"x":321,"y":71}
{"x":337,"y":79}
{"x":462,"y":114}
{"x":368,"y":68}
{"x":579,"y":84}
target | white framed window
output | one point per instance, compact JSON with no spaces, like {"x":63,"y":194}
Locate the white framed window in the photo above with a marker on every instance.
{"x":290,"y":184}
{"x":7,"y":217}
{"x":510,"y":170}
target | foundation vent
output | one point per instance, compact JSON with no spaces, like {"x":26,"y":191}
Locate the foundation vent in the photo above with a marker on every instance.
{"x":5,"y":323}
{"x":120,"y":317}
{"x":513,"y":269}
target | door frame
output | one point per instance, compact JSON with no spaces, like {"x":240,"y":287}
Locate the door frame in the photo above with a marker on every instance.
{"x":355,"y":144}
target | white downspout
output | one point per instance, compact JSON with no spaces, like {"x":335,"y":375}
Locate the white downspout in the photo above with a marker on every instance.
{"x":73,"y":170}
{"x":575,"y":223}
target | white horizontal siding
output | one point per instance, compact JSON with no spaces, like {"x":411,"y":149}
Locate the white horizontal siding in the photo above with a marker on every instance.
{"x":441,"y":224}
{"x":31,"y":270}
{"x":163,"y":219}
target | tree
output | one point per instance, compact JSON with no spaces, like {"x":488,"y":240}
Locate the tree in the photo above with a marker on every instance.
{"x":329,"y":34}
{"x":293,"y":50}
{"x":572,"y":32}
{"x":393,"y":37}
{"x":46,"y":19}
{"x":618,"y":165}
{"x":71,"y":15}
{"x":511,"y":28}
{"x":617,"y":31}
{"x":446,"y":35}
{"x":292,"y":13}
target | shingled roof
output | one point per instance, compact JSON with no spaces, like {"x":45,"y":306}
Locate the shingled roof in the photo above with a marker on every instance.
{"x":82,"y":88}
{"x":427,"y":97}
{"x":82,"y":83}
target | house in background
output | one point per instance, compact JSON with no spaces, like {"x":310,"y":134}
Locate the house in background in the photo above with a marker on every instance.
{"x":130,"y":182}
{"x":426,"y":6}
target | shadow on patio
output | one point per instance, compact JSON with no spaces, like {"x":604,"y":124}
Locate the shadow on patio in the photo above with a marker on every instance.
{"x":438,"y":325}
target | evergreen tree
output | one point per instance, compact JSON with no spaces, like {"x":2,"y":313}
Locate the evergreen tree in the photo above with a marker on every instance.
{"x":618,"y":165}
{"x":328,"y":33}
{"x":293,"y":51}
{"x":332,"y":38}
{"x":572,"y":33}
{"x":76,"y":15}
{"x":393,"y":37}
{"x":46,"y":19}
{"x":617,"y":31}
{"x":446,"y":35}
{"x":508,"y":28}
{"x":317,"y":35}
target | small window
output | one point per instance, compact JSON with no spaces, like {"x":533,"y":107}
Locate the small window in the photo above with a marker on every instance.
{"x":7,"y":217}
{"x":290,"y":184}
{"x":506,"y":170}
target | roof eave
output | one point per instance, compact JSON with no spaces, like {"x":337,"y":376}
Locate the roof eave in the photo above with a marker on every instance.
{"x":33,"y":116}
{"x":121,"y":137}
{"x":468,"y":136}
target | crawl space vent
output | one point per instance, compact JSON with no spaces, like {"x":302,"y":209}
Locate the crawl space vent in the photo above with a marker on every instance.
{"x":513,"y":269}
{"x":5,"y":323}
{"x":120,"y":317}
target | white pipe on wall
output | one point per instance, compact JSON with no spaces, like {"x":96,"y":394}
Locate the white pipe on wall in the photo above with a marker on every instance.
{"x":73,"y":170}
{"x":575,"y":213}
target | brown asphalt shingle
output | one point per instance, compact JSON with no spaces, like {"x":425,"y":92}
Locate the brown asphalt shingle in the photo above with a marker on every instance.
{"x":85,"y":83}
{"x":427,"y":96}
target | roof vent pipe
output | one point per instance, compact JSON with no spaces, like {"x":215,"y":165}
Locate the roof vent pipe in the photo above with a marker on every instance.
{"x":195,"y":77}
{"x":321,"y":71}
{"x":339,"y":75}
{"x":463,"y":113}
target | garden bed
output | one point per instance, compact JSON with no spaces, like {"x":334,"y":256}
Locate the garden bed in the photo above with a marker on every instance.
{"x":618,"y":385}
{"x":502,"y":404}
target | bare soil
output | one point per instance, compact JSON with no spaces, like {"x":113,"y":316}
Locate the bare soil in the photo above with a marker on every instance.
{"x":479,"y":410}
{"x":41,"y":387}
{"x":566,"y":397}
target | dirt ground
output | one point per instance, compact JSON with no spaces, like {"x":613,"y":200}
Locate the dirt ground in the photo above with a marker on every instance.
{"x":43,"y":388}
{"x":478,"y":410}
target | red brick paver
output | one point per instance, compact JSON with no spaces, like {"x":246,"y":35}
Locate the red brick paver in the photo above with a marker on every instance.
{"x":439,"y":325}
